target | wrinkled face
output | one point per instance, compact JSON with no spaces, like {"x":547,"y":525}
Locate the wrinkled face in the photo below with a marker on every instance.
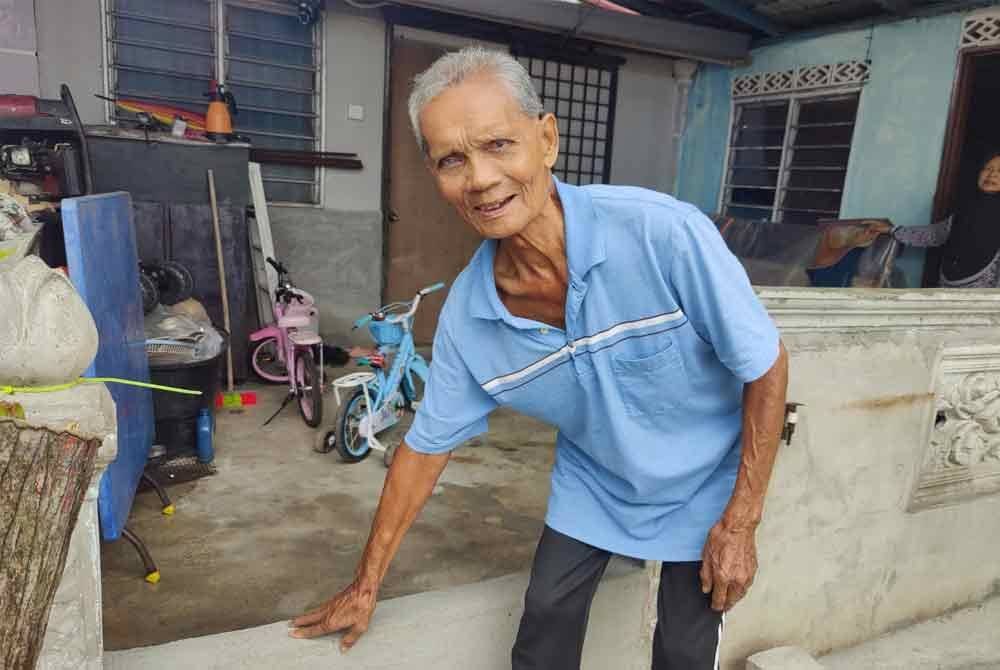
{"x":989,"y":177}
{"x":490,"y":161}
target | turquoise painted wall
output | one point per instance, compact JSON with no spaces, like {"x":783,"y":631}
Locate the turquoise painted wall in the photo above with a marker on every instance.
{"x":898,"y":137}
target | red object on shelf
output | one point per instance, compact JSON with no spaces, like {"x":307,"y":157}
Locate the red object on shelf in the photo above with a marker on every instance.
{"x":18,"y":105}
{"x":248,"y":398}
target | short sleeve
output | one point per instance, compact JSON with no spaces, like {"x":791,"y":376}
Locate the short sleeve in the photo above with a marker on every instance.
{"x":454,"y":407}
{"x":716,"y":296}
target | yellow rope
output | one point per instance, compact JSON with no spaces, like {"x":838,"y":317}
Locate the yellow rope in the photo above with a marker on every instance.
{"x":11,"y":390}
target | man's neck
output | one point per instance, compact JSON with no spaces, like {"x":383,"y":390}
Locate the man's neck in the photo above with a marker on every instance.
{"x":539,"y":249}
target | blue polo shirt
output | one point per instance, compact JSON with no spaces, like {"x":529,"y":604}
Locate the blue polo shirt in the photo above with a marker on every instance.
{"x":644,"y":384}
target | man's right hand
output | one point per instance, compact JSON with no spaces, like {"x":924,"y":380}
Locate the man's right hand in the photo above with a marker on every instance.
{"x":408,"y":485}
{"x":349,"y":611}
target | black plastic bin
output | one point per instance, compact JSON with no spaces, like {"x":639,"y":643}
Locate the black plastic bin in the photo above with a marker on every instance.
{"x":176,"y":415}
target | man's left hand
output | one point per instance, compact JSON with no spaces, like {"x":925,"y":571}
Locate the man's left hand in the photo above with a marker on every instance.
{"x":729,"y":563}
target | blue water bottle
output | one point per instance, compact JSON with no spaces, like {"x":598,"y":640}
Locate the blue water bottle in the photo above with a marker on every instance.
{"x":206,"y":453}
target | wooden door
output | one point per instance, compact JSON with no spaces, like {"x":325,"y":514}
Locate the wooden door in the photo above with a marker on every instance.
{"x":427,"y":241}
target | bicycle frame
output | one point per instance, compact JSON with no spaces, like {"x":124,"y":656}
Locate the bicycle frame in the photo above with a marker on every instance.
{"x":294,"y":332}
{"x":405,"y":364}
{"x":287,"y":348}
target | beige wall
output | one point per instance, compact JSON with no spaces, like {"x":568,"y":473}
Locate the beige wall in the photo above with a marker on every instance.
{"x":70,"y":51}
{"x":354,"y":43}
{"x":643,"y":150}
{"x":844,"y":556}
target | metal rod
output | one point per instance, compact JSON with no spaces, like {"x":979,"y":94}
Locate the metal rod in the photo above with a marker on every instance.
{"x":161,"y":21}
{"x":161,"y":72}
{"x":258,"y":61}
{"x":282,"y":112}
{"x":140,"y":547}
{"x":265,"y":38}
{"x":288,"y":136}
{"x":159,"y":46}
{"x":268,"y":86}
{"x":160,"y":491}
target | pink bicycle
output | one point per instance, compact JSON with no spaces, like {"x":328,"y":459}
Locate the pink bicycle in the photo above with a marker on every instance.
{"x":291,"y":350}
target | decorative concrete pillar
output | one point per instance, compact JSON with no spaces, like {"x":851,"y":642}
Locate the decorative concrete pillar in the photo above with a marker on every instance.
{"x":54,"y":445}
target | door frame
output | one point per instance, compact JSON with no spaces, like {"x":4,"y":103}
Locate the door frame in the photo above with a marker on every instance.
{"x":951,"y":152}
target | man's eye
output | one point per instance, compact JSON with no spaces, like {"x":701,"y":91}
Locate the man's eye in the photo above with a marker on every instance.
{"x":449,"y":161}
{"x":499,"y":145}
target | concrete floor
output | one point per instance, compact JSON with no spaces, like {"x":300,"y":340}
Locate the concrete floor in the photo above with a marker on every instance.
{"x":280,"y":528}
{"x":967,"y":639}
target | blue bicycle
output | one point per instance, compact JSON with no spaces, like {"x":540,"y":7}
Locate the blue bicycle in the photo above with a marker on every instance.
{"x":377,"y":400}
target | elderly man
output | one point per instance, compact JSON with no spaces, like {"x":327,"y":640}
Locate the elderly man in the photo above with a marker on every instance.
{"x":618,"y":315}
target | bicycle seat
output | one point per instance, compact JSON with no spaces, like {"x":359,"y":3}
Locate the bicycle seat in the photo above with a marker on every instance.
{"x":293,"y":321}
{"x":305,"y":338}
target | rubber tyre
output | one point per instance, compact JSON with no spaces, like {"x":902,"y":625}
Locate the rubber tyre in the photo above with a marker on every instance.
{"x":177,"y":283}
{"x":150,"y":294}
{"x":354,"y":402}
{"x":310,"y":392}
{"x":325,"y":441}
{"x":259,"y":357}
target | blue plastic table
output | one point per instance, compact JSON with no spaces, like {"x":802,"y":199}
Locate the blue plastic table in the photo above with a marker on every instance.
{"x":104,"y":267}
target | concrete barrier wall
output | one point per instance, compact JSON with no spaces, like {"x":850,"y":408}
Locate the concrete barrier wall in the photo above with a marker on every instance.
{"x":875,"y":517}
{"x":462,"y":628}
{"x":883,"y":509}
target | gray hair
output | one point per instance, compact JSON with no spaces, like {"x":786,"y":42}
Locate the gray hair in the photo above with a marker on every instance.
{"x":453,"y":68}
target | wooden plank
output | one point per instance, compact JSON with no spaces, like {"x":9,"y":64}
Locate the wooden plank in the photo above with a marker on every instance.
{"x":265,"y":242}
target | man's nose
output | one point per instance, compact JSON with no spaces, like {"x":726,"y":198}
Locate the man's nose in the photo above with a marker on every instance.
{"x":482,"y":174}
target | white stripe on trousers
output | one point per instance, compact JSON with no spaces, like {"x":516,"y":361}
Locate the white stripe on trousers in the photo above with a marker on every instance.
{"x":718,"y":644}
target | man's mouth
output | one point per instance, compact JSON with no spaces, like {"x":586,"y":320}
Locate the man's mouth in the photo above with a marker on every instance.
{"x":495,"y":207}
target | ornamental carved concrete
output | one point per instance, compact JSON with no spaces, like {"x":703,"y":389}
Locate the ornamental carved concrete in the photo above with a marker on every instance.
{"x":962,"y":459}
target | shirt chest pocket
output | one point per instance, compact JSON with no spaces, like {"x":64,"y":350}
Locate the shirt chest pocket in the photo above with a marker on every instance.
{"x":651,"y":383}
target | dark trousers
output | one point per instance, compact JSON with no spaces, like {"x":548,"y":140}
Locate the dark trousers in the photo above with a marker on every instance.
{"x":564,"y":578}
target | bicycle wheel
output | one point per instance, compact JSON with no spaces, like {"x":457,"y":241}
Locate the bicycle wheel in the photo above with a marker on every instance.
{"x":266,"y":364}
{"x":351,"y":445}
{"x":309,"y":389}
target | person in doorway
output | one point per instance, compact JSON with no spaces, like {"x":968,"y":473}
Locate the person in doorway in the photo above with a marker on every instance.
{"x":618,"y":315}
{"x":971,"y":256}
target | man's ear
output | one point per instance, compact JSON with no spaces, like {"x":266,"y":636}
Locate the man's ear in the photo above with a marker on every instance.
{"x":550,"y":139}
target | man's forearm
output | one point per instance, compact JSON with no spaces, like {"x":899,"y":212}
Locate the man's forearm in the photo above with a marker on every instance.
{"x":408,"y":485}
{"x":763,"y":416}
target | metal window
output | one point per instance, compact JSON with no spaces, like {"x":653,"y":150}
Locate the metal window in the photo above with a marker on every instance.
{"x":582,"y":97}
{"x":272,"y":64}
{"x":788,"y":158}
{"x":171,"y":51}
{"x":161,"y":51}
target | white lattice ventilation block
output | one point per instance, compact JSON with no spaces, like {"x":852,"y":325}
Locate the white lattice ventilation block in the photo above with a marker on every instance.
{"x":982,"y":29}
{"x":805,"y":78}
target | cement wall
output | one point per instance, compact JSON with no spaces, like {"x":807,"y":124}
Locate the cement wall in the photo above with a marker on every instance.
{"x":18,"y":62}
{"x":898,"y":137}
{"x":337,"y":257}
{"x":71,"y":51}
{"x":869,"y":524}
{"x":643,"y":146}
{"x":460,"y":628}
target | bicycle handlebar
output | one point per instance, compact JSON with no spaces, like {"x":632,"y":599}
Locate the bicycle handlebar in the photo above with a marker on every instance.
{"x":416,"y":303}
{"x":431,"y":288}
{"x":278,"y":267}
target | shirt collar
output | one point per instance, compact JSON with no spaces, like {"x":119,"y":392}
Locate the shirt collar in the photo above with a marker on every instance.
{"x":585,"y":247}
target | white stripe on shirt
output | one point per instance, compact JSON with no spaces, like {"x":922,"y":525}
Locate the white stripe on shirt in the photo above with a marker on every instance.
{"x":587,"y":341}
